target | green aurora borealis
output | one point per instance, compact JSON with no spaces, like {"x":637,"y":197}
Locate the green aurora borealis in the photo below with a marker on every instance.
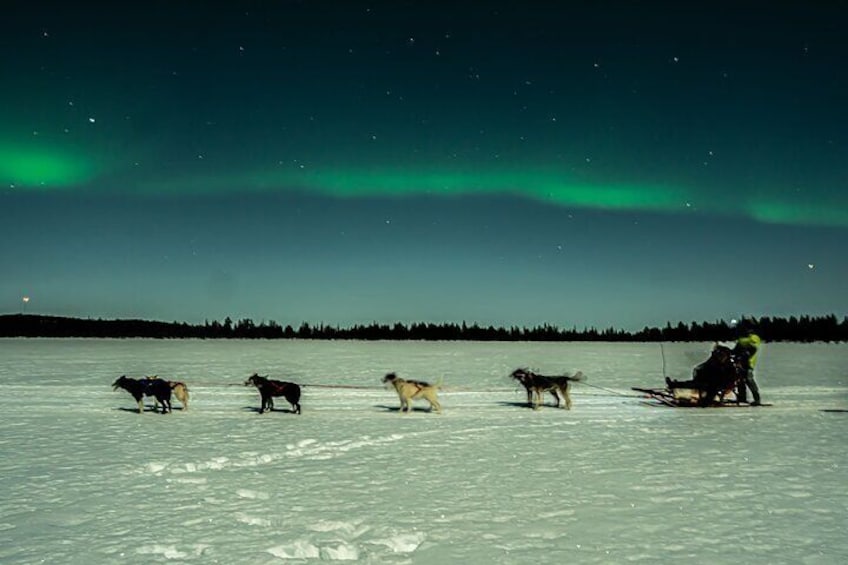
{"x":355,"y":161}
{"x":44,"y":169}
{"x":56,"y":170}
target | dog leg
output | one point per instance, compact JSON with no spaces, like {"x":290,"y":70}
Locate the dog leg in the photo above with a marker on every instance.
{"x":567,"y":396}
{"x":430,"y":396}
{"x":537,"y":400}
{"x":141,"y":406}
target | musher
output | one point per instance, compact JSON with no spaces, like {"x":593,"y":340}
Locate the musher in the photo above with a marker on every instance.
{"x":748,"y":346}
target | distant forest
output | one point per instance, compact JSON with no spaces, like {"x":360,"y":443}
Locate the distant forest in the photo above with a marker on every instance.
{"x":802,"y":329}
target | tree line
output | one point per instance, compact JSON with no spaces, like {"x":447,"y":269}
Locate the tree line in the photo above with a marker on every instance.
{"x":801,"y":328}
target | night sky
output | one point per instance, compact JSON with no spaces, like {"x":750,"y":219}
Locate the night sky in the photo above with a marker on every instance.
{"x":572,"y":163}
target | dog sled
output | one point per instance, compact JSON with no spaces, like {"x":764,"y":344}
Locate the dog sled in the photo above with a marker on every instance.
{"x":717,"y":382}
{"x":688,"y":398}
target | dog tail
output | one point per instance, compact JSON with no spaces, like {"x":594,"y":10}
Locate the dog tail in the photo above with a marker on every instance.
{"x":438,"y":383}
{"x":578,"y":376}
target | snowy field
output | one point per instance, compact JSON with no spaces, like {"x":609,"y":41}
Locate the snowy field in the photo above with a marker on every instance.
{"x":85,"y":479}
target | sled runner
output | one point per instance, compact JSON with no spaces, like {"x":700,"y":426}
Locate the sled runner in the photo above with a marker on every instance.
{"x":687,"y":398}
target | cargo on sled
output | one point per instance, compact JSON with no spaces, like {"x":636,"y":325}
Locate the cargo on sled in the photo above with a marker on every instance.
{"x":718,"y":381}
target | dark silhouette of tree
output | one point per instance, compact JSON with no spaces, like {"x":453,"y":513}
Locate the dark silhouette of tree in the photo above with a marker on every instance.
{"x":803,"y":328}
{"x":304,"y":332}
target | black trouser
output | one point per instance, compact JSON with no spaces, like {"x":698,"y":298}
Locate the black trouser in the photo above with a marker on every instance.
{"x":741,"y":393}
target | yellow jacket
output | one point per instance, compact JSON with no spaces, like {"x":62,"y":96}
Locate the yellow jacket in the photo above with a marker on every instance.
{"x":751,"y":343}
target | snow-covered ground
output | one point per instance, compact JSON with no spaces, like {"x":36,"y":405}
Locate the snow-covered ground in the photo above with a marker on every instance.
{"x":84,"y":479}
